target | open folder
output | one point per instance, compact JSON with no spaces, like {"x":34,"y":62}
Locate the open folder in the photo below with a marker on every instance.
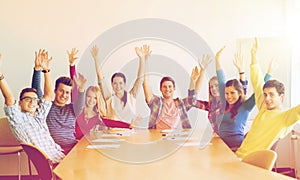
{"x":115,"y":123}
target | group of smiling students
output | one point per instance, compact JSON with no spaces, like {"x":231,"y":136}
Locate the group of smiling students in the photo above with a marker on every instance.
{"x":55,"y":125}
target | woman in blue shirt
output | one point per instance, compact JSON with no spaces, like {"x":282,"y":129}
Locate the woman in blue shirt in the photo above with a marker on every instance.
{"x":237,"y":108}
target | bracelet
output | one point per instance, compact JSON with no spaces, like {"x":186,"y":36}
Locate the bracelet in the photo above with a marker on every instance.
{"x":242,"y":72}
{"x":1,"y":77}
{"x":46,"y":71}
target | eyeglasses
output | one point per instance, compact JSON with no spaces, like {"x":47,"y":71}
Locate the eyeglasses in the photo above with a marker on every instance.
{"x":30,"y":99}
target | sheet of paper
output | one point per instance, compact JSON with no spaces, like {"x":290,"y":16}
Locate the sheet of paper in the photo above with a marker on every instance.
{"x":173,"y":134}
{"x":181,"y":139}
{"x":103,"y":146}
{"x":189,"y":144}
{"x":111,"y":135}
{"x":201,"y":145}
{"x":108,"y":140}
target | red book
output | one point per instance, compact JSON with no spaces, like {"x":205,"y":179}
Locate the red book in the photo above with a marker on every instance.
{"x":115,"y":123}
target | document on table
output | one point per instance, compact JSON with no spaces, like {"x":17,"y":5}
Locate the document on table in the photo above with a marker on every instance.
{"x":201,"y":145}
{"x":180,"y":139}
{"x":119,"y":134}
{"x":103,"y":146}
{"x":108,"y":140}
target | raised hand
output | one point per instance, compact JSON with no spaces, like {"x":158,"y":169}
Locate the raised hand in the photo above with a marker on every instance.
{"x":95,"y":52}
{"x":45,"y":60}
{"x":80,"y":81}
{"x":72,"y":56}
{"x":239,"y":62}
{"x":194,"y":77}
{"x":143,"y":52}
{"x":195,"y":73}
{"x":38,"y":59}
{"x":217,"y":57}
{"x":147,"y":51}
{"x":253,"y":51}
{"x":206,"y":60}
{"x":219,"y":53}
{"x":139,"y":52}
{"x":254,"y":47}
{"x":45,"y":65}
{"x":273,"y":65}
{"x":5,"y":89}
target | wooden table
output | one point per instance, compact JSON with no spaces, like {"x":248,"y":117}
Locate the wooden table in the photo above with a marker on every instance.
{"x":147,"y":154}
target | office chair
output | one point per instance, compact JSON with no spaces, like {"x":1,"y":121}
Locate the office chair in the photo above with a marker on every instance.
{"x":273,"y":148}
{"x":9,"y":144}
{"x":40,"y":161}
{"x":262,"y":158}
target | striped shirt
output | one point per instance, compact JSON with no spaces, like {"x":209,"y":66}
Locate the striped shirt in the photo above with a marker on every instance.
{"x":33,"y":129}
{"x":61,"y":121}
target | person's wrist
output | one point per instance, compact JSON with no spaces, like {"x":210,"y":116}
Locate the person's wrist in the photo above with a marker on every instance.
{"x":46,"y":70}
{"x":81,"y":89}
{"x":37,"y":68}
{"x":100,"y":80}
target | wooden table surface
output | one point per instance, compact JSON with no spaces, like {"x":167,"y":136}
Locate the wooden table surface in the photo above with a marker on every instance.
{"x":147,"y":154}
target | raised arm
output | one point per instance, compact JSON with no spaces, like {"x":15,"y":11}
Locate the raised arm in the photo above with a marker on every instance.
{"x":143,"y":53}
{"x":5,"y":89}
{"x":78,"y":105}
{"x":45,"y":64}
{"x":72,"y":60}
{"x":36,"y":77}
{"x":80,"y":81}
{"x":217,"y":57}
{"x":193,"y":78}
{"x":146,"y":84}
{"x":253,"y":52}
{"x":272,"y":66}
{"x":239,"y":64}
{"x":206,"y":60}
{"x":220,"y":75}
{"x":103,"y":86}
{"x":256,"y":76}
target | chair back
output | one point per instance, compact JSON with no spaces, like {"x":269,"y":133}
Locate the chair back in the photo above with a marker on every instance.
{"x":7,"y":138}
{"x":40,"y":161}
{"x":262,"y":158}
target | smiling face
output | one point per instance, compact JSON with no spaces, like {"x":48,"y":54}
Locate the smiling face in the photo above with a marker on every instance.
{"x":273,"y":94}
{"x":62,"y":94}
{"x":272,"y":98}
{"x":118,"y":85}
{"x":90,"y":98}
{"x":231,"y":95}
{"x":167,"y":89}
{"x":214,"y":87}
{"x":29,"y":102}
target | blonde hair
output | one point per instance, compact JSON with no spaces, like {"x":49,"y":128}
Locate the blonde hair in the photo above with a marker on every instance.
{"x":100,"y":106}
{"x":212,"y":99}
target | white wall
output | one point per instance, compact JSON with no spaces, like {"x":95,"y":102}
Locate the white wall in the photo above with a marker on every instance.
{"x":59,"y":25}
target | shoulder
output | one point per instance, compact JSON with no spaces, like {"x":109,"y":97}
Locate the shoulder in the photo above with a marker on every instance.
{"x":45,"y":102}
{"x":155,"y":99}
